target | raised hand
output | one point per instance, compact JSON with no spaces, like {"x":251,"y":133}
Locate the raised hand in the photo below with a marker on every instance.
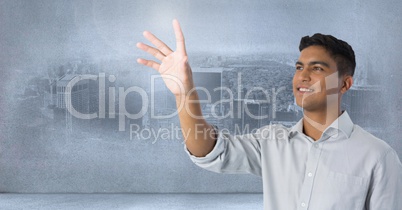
{"x":176,"y":73}
{"x":173,"y":66}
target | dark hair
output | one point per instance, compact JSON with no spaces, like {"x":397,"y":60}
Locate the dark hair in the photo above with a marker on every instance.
{"x":339,"y":50}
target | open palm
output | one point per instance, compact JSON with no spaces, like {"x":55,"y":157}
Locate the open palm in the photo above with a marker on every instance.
{"x":173,"y":66}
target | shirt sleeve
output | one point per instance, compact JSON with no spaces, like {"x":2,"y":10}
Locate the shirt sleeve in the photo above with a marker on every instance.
{"x":238,"y":154}
{"x":386,"y":187}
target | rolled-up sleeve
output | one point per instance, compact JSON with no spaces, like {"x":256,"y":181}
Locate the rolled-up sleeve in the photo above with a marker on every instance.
{"x":232,"y":154}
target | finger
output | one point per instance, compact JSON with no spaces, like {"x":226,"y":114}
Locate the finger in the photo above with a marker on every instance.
{"x":155,"y":52}
{"x":161,"y":46}
{"x":149,"y":63}
{"x":180,"y":46}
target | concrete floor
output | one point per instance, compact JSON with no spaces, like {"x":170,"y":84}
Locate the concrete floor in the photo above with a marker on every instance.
{"x":130,"y":201}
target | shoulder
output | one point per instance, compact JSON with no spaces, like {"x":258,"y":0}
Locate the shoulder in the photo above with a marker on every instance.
{"x":369,"y":144}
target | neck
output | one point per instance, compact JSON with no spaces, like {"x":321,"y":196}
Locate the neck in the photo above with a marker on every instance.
{"x":315,"y":122}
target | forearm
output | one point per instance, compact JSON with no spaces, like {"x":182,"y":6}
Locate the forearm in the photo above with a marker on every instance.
{"x":199,"y":136}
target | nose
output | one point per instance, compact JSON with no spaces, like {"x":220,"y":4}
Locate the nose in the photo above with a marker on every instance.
{"x":304,"y":75}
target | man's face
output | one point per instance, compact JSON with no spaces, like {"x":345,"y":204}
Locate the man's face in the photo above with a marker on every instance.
{"x":316,"y":77}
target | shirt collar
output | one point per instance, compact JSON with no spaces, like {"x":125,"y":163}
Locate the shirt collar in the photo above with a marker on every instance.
{"x":343,"y":124}
{"x":297,"y":128}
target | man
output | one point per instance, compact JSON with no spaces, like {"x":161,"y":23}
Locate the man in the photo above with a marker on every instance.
{"x":323,"y":162}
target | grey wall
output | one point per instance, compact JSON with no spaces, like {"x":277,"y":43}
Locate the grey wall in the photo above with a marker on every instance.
{"x":38,"y":38}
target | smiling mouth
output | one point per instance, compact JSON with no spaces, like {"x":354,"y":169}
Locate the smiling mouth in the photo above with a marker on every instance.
{"x":305,"y":90}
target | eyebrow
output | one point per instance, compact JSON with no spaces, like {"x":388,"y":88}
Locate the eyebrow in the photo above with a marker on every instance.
{"x":313,"y":63}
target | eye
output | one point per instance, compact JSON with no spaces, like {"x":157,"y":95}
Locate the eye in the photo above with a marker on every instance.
{"x":316,"y":68}
{"x":300,"y":68}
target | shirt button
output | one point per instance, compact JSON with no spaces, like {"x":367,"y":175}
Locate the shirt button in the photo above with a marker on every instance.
{"x":310,"y":174}
{"x":316,"y":145}
{"x":303,"y":204}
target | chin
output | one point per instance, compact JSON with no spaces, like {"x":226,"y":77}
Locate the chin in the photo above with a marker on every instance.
{"x":307,"y":106}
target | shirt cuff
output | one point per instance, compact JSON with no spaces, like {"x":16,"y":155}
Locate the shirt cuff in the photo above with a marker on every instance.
{"x":215,"y":154}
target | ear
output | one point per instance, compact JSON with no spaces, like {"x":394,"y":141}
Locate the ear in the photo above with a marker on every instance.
{"x":347,"y":83}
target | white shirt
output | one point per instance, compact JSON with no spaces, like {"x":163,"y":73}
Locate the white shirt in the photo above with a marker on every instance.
{"x":346,"y":169}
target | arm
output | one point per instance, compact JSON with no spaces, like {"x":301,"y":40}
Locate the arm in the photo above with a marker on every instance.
{"x":199,"y":136}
